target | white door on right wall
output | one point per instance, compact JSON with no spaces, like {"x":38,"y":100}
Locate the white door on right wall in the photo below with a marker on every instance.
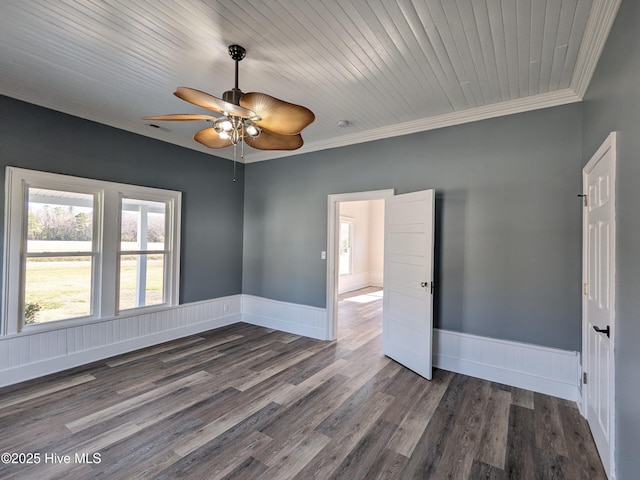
{"x":599,"y":291}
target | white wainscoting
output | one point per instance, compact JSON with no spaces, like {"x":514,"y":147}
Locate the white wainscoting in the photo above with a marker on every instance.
{"x":541,"y":369}
{"x":30,"y":355}
{"x":355,"y":281}
{"x":349,"y":283}
{"x":288,"y":317}
{"x":33,"y":354}
{"x":375,"y":279}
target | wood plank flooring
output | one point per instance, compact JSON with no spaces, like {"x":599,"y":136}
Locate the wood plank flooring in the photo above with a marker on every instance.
{"x":247,"y":402}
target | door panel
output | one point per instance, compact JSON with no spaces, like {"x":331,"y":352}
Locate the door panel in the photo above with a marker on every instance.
{"x":404,"y":308}
{"x":408,"y":243}
{"x":408,"y":275}
{"x":598,"y":307}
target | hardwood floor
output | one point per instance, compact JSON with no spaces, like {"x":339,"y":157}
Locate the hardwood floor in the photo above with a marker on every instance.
{"x":249,"y":402}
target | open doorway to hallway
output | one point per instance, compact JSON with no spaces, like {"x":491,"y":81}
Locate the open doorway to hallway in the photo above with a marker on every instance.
{"x":360,"y":261}
{"x":357,"y":271}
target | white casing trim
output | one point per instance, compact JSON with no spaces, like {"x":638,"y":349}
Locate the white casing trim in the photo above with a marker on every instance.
{"x":333,"y":220}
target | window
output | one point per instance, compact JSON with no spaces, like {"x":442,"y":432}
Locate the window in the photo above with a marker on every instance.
{"x":60,"y":252}
{"x":143,"y":252}
{"x":78,"y":250}
{"x":346,"y":246}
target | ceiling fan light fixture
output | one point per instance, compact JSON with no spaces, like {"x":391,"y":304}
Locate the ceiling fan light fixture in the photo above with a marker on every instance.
{"x":226,"y":125}
{"x":252,"y":130}
{"x":245,"y":117}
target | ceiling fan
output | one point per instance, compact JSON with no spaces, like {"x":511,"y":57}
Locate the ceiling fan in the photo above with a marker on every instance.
{"x":257,"y":119}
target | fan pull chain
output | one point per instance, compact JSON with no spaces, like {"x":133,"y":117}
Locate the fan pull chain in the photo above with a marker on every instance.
{"x":235,"y":148}
{"x":241,"y":153}
{"x":242,"y":146}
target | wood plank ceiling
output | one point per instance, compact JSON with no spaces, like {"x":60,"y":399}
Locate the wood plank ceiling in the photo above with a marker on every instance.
{"x":387,"y":67}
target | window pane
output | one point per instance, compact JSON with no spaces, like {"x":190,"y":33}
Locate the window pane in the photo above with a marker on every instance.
{"x":143,"y":225}
{"x":57,"y":288}
{"x":344,"y":264}
{"x":141,"y":280}
{"x":59,"y":221}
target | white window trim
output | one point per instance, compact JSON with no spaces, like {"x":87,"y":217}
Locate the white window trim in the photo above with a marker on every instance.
{"x":106,"y":226}
{"x":352,"y":226}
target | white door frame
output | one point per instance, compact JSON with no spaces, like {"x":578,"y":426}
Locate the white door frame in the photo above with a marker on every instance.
{"x":333,"y":225}
{"x":608,"y":144}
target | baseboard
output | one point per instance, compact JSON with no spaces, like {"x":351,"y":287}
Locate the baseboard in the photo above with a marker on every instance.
{"x":28,"y":356}
{"x":540,"y":369}
{"x":287,"y":317}
{"x":354,"y":281}
{"x":580,"y":402}
{"x":350,"y":283}
{"x":375,"y":279}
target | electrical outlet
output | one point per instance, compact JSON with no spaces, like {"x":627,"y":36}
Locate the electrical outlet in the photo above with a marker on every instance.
{"x":323,"y":255}
{"x":226,"y":308}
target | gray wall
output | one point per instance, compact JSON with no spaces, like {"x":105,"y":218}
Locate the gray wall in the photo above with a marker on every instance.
{"x":508,"y":247}
{"x":612,"y":103}
{"x":40,"y":139}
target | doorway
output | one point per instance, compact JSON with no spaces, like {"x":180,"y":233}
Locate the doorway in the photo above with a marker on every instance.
{"x":407,"y":312}
{"x":358,"y":270}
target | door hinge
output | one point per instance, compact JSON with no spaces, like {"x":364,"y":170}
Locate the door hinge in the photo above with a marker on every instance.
{"x":585,"y":202}
{"x":585,"y":288}
{"x":432,"y":287}
{"x":584,"y":377}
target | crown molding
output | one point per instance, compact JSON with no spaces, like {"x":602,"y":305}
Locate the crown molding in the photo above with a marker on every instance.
{"x":599,"y":24}
{"x":509,"y":107}
{"x":601,"y":18}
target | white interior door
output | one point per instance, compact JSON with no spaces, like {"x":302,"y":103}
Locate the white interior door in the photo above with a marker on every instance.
{"x":408,"y":280}
{"x":598,"y":305}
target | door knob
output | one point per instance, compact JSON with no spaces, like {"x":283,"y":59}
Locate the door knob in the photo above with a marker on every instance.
{"x":603,"y":330}
{"x":424,"y":284}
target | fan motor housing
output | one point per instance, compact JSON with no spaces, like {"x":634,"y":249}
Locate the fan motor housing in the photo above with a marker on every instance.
{"x":232,"y":96}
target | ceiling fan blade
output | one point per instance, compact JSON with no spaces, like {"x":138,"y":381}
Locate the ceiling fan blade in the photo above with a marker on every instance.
{"x":210,"y":138}
{"x":274,"y":141}
{"x":277,"y":115}
{"x":182,"y":117}
{"x":210,"y":102}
